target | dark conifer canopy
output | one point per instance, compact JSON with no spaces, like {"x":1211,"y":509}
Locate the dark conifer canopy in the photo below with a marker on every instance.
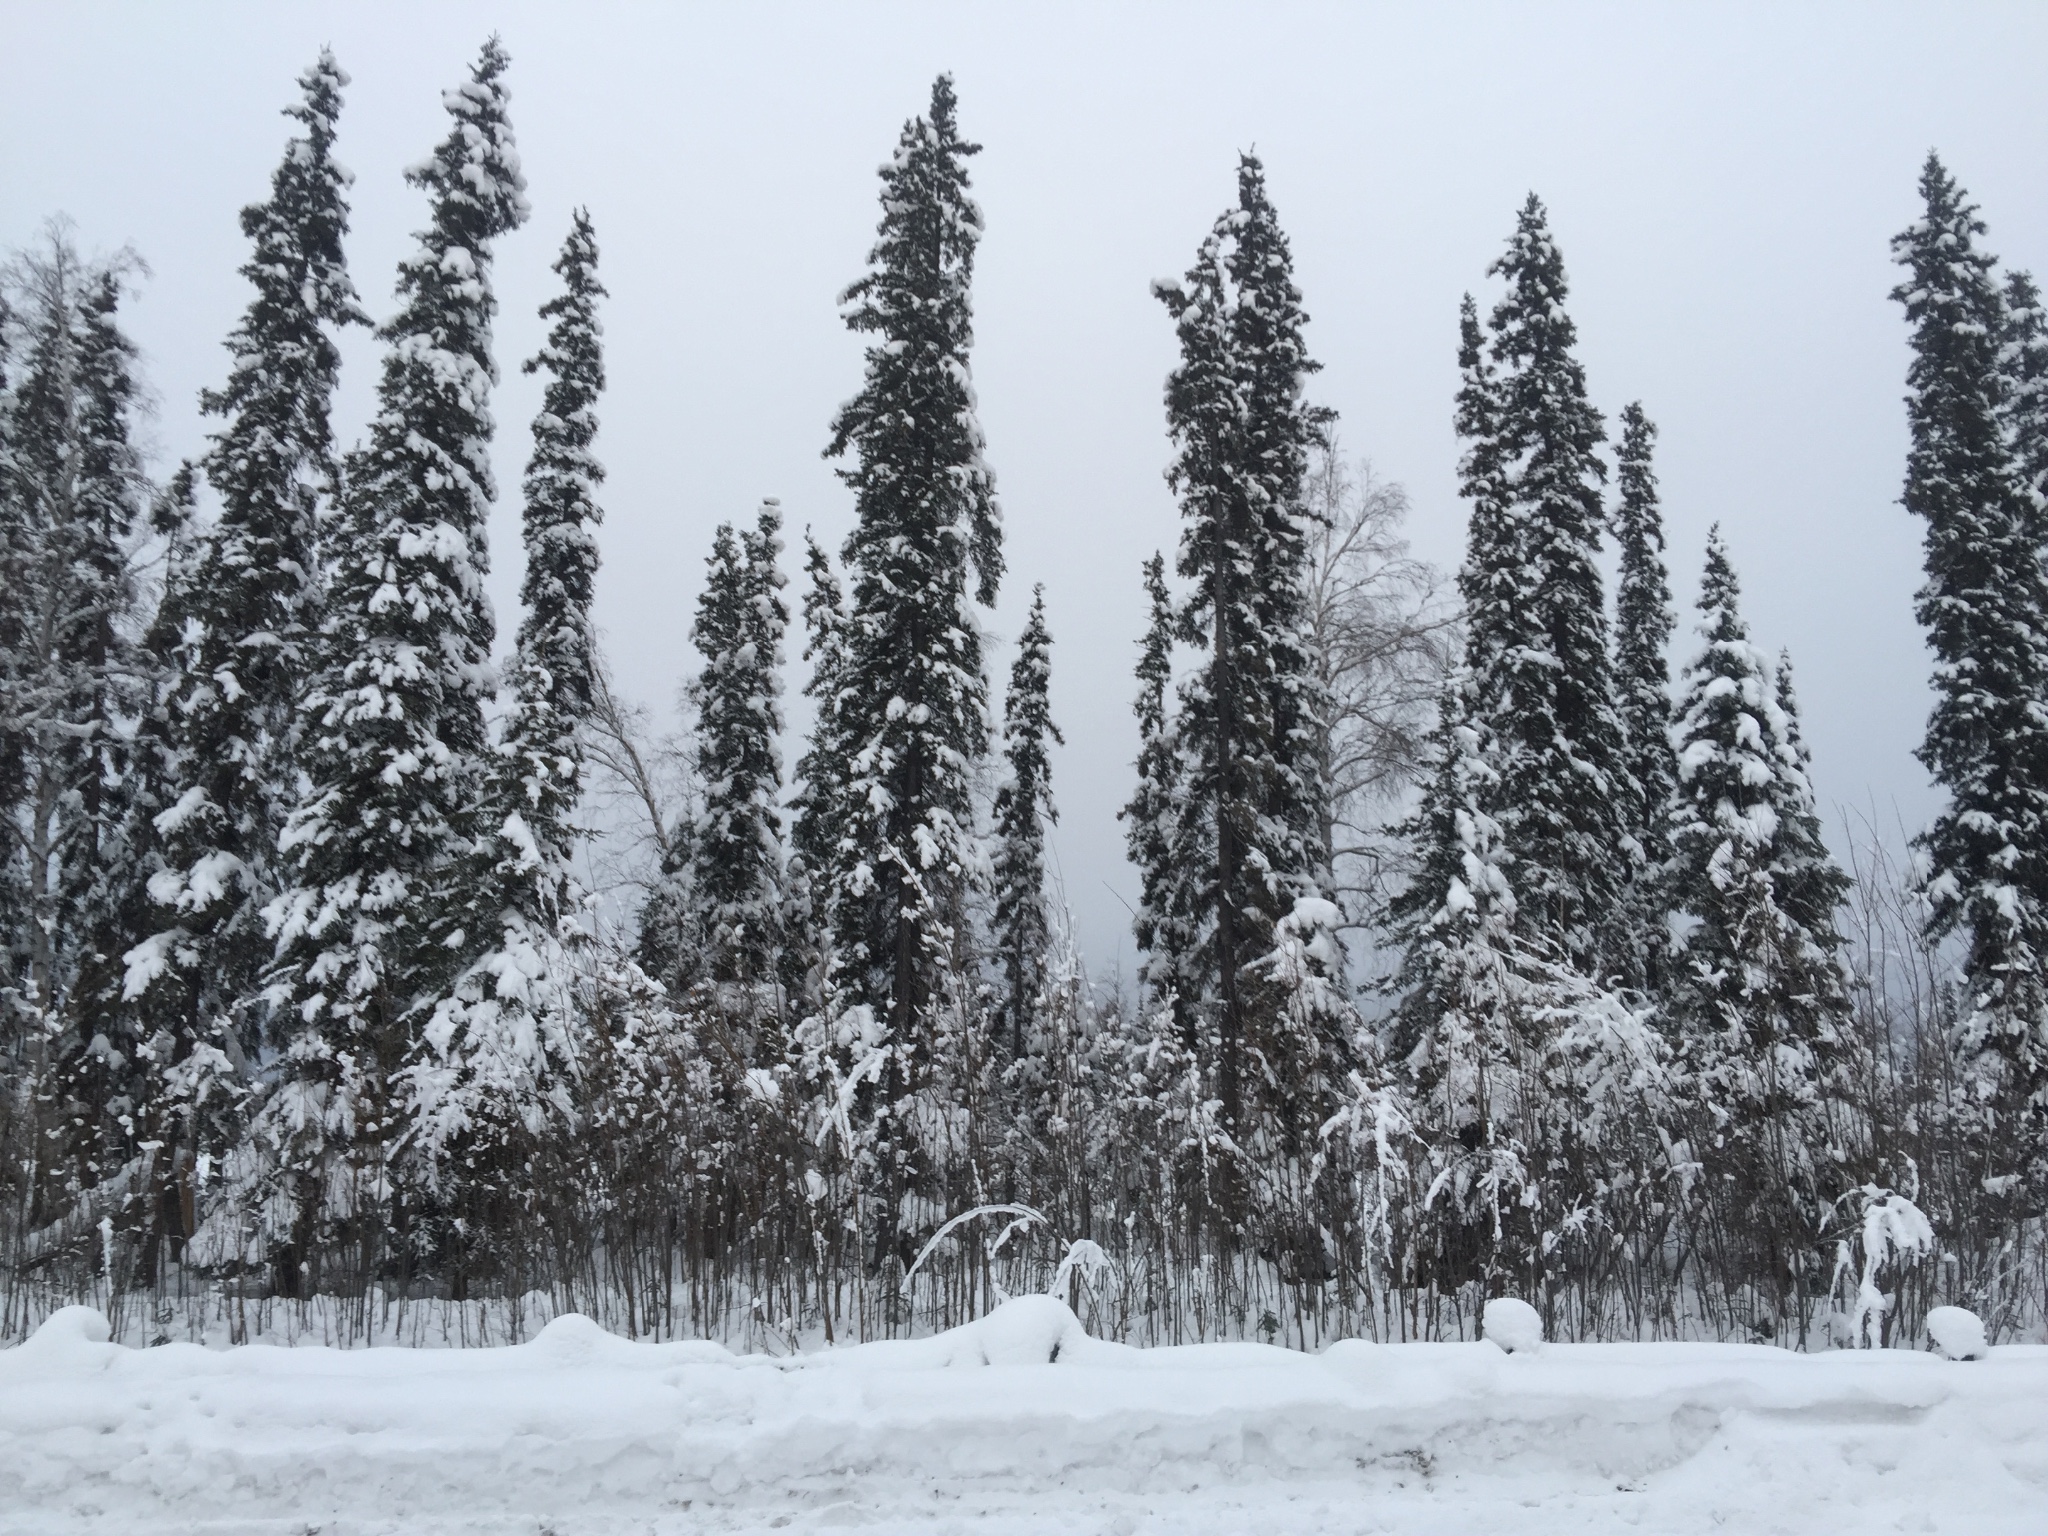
{"x":1987,"y":740}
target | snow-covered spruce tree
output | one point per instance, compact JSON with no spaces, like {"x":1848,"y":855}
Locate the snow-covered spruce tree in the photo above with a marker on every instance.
{"x":74,"y":679}
{"x":553,"y":679}
{"x":1758,"y":993}
{"x":1987,"y":739}
{"x":1440,"y":829}
{"x":1533,"y":749}
{"x":185,"y":1090}
{"x":736,"y":880}
{"x":818,"y":802}
{"x":1643,"y":622}
{"x":1461,"y":1034}
{"x":911,"y":713}
{"x":238,"y":621}
{"x":381,"y":917}
{"x":1152,"y":820}
{"x":1023,"y":806}
{"x":668,"y":945}
{"x":1250,"y":828}
{"x":491,"y":1085}
{"x":1811,"y":886}
{"x":1537,"y":649}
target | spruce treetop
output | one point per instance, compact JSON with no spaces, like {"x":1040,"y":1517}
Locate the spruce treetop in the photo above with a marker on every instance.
{"x":1155,"y":660}
{"x":1956,"y":465}
{"x":1553,"y":429}
{"x":914,"y":422}
{"x":285,"y":362}
{"x":1540,"y":677}
{"x":737,"y":845}
{"x":1150,"y":815}
{"x":1643,"y":622}
{"x":1730,"y":737}
{"x":1273,"y":361}
{"x":397,"y":749}
{"x":818,"y":802}
{"x":1811,"y":885}
{"x":911,"y":710}
{"x":1981,"y":602}
{"x":1488,"y":587}
{"x":563,"y":475}
{"x":554,"y":679}
{"x":1023,"y":807}
{"x":474,"y":176}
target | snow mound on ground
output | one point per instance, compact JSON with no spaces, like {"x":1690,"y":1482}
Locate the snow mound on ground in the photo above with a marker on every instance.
{"x":69,"y":1325}
{"x":1514,"y":1325}
{"x":70,"y":1337}
{"x":573,"y":1339}
{"x":1957,"y":1332}
{"x":1024,"y":1330}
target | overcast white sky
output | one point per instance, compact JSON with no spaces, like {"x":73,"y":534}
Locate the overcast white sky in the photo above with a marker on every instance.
{"x":1722,"y":181}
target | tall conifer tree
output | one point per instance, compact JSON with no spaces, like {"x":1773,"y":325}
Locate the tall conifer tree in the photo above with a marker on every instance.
{"x":1643,"y":622}
{"x":911,"y":712}
{"x":1461,"y":1034}
{"x":491,"y":1084}
{"x":1023,"y":806}
{"x":1514,"y":923}
{"x":736,"y":881}
{"x":73,"y":681}
{"x":555,"y":668}
{"x":1759,"y":994}
{"x":243,"y":610}
{"x":1987,"y":738}
{"x":1537,"y":639}
{"x":381,"y":917}
{"x":1152,"y":817}
{"x":76,"y":494}
{"x":1251,"y":826}
{"x":1811,"y":886}
{"x":819,"y":803}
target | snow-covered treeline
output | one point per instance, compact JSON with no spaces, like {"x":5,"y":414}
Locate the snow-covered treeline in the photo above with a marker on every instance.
{"x":1484,"y":954}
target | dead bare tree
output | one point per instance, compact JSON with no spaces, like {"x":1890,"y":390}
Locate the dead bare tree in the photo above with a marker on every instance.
{"x":1384,"y":626}
{"x":639,"y":786}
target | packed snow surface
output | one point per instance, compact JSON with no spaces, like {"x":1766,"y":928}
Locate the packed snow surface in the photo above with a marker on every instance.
{"x":1019,"y":1423}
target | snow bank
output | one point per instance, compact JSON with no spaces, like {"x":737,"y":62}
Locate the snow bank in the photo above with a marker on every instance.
{"x":1017,"y":1423}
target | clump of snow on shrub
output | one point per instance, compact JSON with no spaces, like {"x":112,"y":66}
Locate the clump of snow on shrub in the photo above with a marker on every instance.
{"x":1957,"y":1332}
{"x":1514,"y":1325}
{"x":1896,"y":1233}
{"x":1027,"y":1330}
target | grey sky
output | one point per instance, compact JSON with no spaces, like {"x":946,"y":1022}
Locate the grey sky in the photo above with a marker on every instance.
{"x":1722,"y":182}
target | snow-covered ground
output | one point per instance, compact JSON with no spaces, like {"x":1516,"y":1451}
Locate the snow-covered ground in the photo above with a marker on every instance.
{"x":1018,"y":1423}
